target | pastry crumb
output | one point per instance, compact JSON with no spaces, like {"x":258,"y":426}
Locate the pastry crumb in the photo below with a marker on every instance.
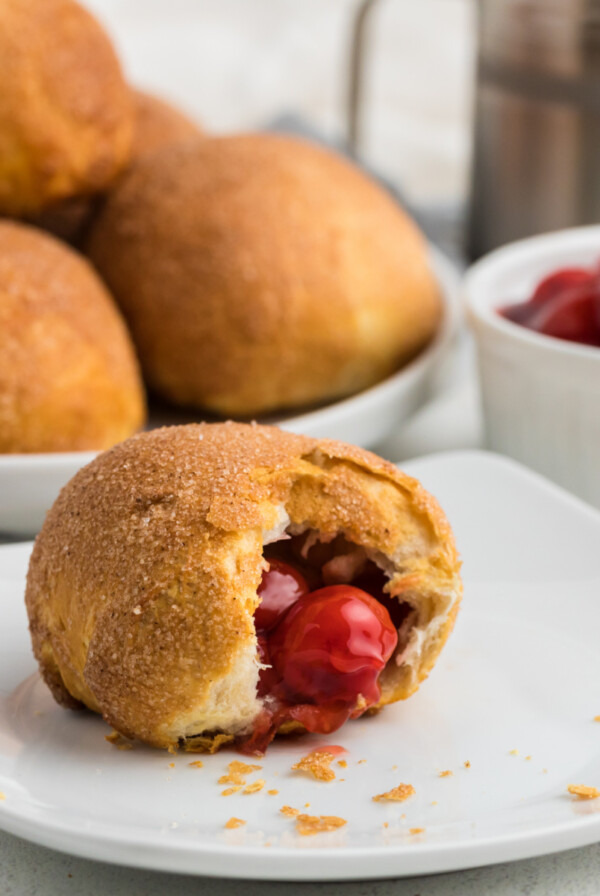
{"x":306,"y":825}
{"x":272,"y":792}
{"x":236,"y":772}
{"x":582,"y":792}
{"x":434,"y":803}
{"x":234,"y":822}
{"x":118,"y":741}
{"x":171,"y":765}
{"x":2,"y":796}
{"x":342,"y":763}
{"x":467,"y":763}
{"x":289,"y":811}
{"x":306,"y":806}
{"x":416,"y":830}
{"x":360,"y":761}
{"x":197,"y":764}
{"x":230,"y":790}
{"x":513,"y":752}
{"x":396,"y":794}
{"x":203,"y":744}
{"x":386,"y":824}
{"x":544,"y":771}
{"x":527,"y":758}
{"x":446,"y":773}
{"x":255,"y":786}
{"x":317,"y":764}
{"x":596,"y":718}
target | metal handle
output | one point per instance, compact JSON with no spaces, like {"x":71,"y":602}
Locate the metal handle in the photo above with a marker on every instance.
{"x":356,"y":74}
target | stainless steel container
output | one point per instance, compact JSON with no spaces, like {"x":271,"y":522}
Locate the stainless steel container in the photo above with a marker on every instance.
{"x":536,"y":162}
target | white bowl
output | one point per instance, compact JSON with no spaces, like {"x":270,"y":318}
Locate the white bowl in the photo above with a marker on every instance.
{"x":29,"y":483}
{"x":541,"y":396}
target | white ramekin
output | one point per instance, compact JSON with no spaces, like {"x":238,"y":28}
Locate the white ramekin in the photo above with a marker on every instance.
{"x":541,"y":396}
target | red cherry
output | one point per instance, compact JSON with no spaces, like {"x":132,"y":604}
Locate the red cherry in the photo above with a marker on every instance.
{"x":597,"y":311}
{"x":559,"y":282}
{"x":571,"y":315}
{"x":331,"y":646}
{"x":280,"y":587}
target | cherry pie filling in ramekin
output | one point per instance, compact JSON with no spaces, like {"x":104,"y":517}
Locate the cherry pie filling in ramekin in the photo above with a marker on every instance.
{"x":326,"y":629}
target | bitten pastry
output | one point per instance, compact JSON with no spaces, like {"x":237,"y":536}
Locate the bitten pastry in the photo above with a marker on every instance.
{"x":69,"y":378}
{"x":261,"y":272}
{"x":66,"y":117}
{"x":156,"y":124}
{"x":211,"y":583}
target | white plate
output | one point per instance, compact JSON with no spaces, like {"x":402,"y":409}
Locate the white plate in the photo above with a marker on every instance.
{"x":29,"y":483}
{"x":521,"y":672}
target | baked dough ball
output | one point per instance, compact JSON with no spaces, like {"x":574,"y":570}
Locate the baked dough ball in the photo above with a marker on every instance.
{"x":66,"y":118}
{"x":151,"y":615}
{"x":68,"y":375}
{"x":261,"y":272}
{"x":156,"y":124}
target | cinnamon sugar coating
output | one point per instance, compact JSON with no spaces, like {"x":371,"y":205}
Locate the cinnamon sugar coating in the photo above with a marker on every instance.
{"x":143,"y":582}
{"x":66,"y":119}
{"x":69,"y":378}
{"x":156,"y":124}
{"x":260,"y":272}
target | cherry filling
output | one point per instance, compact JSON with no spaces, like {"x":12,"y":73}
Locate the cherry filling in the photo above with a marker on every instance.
{"x":565,"y":304}
{"x":332,"y":645}
{"x":281,"y":586}
{"x":323,"y":649}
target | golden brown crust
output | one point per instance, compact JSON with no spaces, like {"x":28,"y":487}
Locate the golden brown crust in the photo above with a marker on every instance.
{"x":66,"y":120}
{"x":142,"y":583}
{"x":259,"y":272}
{"x":156,"y":124}
{"x":68,"y":375}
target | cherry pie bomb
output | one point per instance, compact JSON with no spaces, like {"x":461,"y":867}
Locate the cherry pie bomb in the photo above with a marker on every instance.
{"x":228,"y":583}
